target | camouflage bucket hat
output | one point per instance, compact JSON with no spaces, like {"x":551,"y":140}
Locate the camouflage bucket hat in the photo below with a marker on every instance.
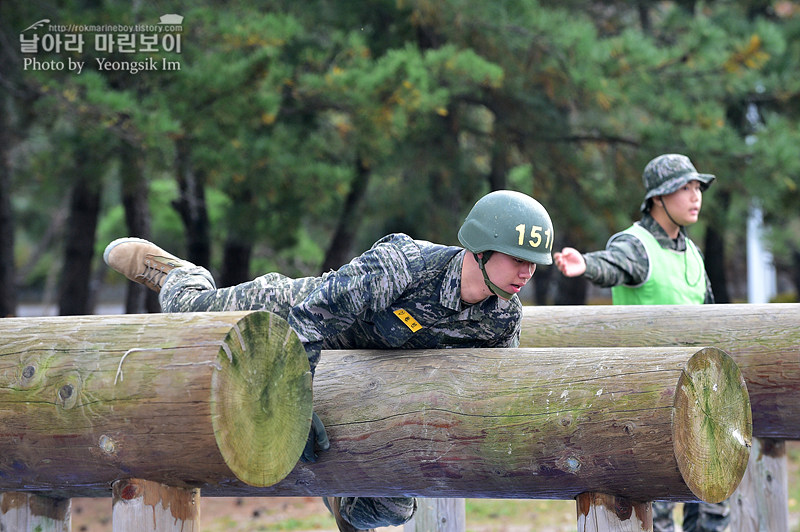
{"x":667,"y":173}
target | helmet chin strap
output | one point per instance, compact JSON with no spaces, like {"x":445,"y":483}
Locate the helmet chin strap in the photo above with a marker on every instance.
{"x":493,"y":288}
{"x":671,"y":219}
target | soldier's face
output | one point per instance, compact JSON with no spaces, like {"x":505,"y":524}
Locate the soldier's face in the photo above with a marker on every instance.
{"x":684,"y":204}
{"x":509,"y":273}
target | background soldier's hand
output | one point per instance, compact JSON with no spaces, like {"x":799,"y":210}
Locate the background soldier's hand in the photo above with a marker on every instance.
{"x":317,"y":439}
{"x":570,"y":262}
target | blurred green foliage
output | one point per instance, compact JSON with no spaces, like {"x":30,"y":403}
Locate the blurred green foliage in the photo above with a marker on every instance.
{"x":281,"y":105}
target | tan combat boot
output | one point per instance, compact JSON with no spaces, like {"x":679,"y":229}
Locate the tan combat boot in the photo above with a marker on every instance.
{"x":141,"y":261}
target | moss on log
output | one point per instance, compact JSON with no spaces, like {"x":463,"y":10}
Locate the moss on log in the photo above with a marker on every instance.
{"x":188,"y":400}
{"x":764,"y":340}
{"x":640,"y":423}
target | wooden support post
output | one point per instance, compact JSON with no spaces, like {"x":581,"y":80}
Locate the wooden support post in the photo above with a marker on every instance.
{"x":146,"y":506}
{"x":185,"y":399}
{"x":598,"y":512}
{"x":20,"y":512}
{"x":760,"y":503}
{"x":764,"y":340}
{"x":649,"y":423}
{"x":438,"y":515}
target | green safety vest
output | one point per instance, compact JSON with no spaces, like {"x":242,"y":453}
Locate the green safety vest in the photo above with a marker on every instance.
{"x":673,"y":278}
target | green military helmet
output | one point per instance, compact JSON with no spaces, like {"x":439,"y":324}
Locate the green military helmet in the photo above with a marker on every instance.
{"x":509,"y":222}
{"x":667,"y":173}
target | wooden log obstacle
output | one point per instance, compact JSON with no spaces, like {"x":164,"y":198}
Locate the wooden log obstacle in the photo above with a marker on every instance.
{"x":192,"y":401}
{"x":187,"y":400}
{"x":529,"y":423}
{"x":764,"y":340}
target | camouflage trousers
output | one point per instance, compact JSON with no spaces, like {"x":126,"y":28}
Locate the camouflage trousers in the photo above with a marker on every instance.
{"x":371,"y":512}
{"x":192,"y":289}
{"x":697,"y":517}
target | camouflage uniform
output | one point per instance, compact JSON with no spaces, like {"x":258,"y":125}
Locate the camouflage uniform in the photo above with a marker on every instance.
{"x":624,"y":261}
{"x":400,"y":294}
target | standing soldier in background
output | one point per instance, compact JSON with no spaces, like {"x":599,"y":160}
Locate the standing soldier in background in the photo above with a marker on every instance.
{"x":653,"y":262}
{"x":400,"y":294}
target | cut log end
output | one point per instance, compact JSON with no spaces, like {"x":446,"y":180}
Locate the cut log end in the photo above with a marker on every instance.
{"x":712,"y":425}
{"x":262,"y":390}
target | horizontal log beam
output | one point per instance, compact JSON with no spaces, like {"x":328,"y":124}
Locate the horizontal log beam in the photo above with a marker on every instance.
{"x":640,"y":423}
{"x":764,"y":340}
{"x":645,"y":424}
{"x":181,"y":399}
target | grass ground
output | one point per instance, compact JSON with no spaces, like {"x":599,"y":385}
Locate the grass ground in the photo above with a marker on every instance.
{"x":301,"y":514}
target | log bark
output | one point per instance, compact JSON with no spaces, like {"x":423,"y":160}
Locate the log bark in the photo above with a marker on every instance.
{"x":142,"y":506}
{"x":25,"y":511}
{"x":188,"y":400}
{"x":764,"y":340}
{"x":646,"y":424}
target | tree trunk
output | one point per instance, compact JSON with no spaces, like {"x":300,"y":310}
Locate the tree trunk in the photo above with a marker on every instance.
{"x":715,"y":265}
{"x":235,"y":262}
{"x":644,"y":423}
{"x":796,"y":270}
{"x":643,"y":7}
{"x":341,"y":244}
{"x":191,"y":206}
{"x":714,"y":256}
{"x":189,"y":400}
{"x":135,"y":191}
{"x":75,"y":293}
{"x":763,"y":339}
{"x":570,"y":290}
{"x":8,"y":290}
{"x":498,"y":173}
{"x":542,"y":283}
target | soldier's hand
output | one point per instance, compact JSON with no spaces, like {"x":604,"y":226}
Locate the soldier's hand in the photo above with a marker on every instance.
{"x":317,"y":440}
{"x":570,"y":262}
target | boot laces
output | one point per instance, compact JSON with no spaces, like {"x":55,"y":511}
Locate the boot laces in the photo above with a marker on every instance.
{"x":154,"y":272}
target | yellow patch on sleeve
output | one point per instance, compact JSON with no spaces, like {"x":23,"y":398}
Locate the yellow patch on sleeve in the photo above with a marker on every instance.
{"x":408,"y":320}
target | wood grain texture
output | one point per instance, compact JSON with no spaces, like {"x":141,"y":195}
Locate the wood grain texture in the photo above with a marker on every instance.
{"x":515,"y":423}
{"x":182,"y":399}
{"x":764,"y":340}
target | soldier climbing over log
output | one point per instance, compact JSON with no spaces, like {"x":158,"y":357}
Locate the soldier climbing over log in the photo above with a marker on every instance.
{"x":400,"y":294}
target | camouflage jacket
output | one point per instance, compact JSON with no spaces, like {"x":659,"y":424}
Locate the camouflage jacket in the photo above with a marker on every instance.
{"x":624,"y":261}
{"x":402,"y":294}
